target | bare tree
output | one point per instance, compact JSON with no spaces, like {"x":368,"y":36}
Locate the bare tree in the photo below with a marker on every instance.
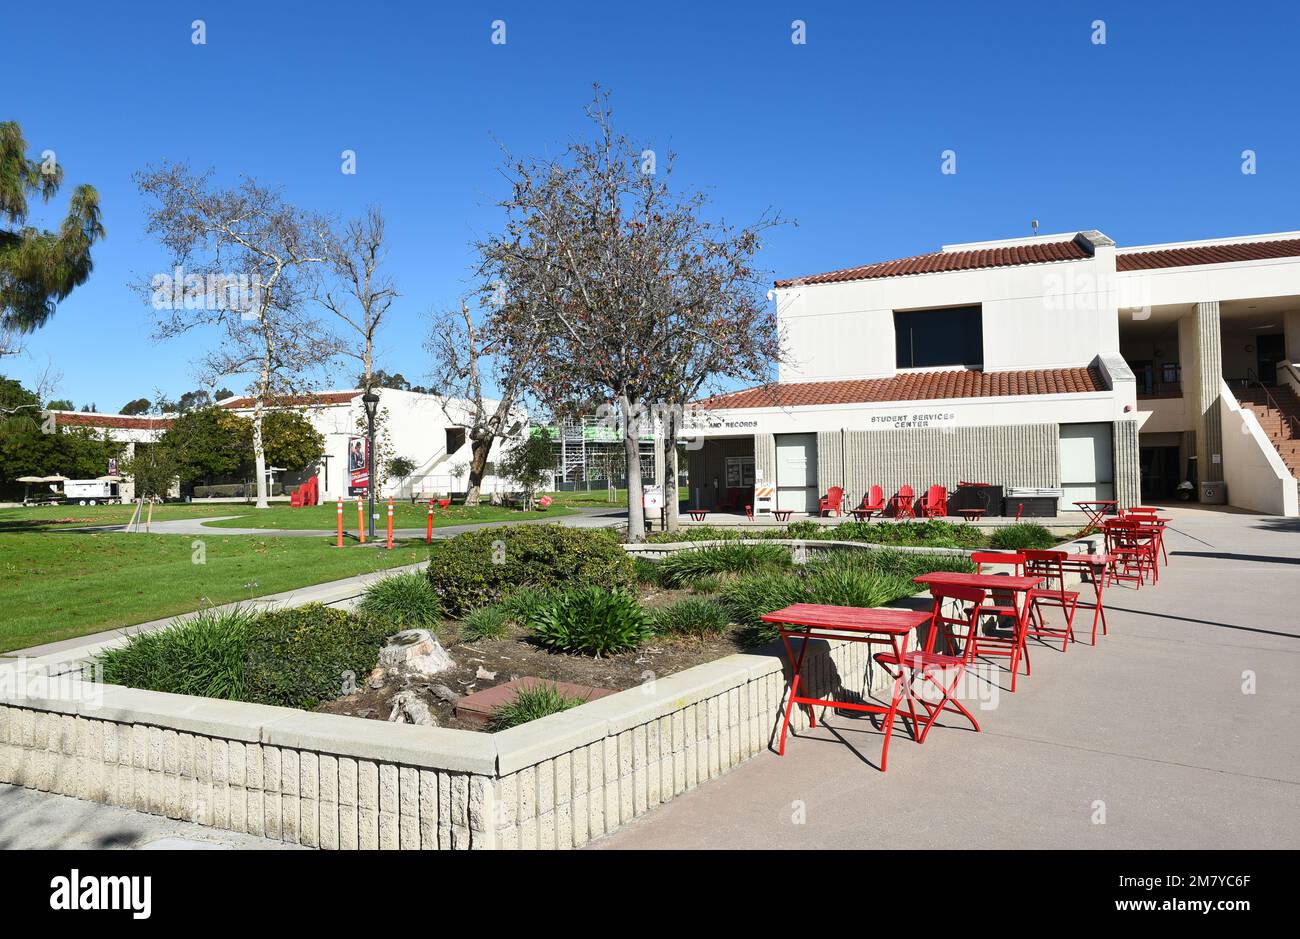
{"x":624,"y":292}
{"x":244,"y":262}
{"x":464,"y":359}
{"x":362,"y":293}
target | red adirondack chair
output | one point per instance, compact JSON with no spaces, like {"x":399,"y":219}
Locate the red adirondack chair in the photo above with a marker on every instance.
{"x":872,"y":504}
{"x":936,"y":502}
{"x":833,"y":501}
{"x":905,"y":502}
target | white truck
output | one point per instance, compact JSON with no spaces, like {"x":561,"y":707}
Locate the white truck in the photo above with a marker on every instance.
{"x":91,"y":491}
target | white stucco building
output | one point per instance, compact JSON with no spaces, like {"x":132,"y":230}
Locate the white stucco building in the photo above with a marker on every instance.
{"x":416,"y":426}
{"x":1058,"y":361}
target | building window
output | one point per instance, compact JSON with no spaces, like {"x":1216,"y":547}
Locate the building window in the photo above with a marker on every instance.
{"x":740,"y":471}
{"x":929,"y":338}
{"x":455,"y":439}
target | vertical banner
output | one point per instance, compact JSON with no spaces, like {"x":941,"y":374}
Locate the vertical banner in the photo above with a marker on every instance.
{"x":358,"y":466}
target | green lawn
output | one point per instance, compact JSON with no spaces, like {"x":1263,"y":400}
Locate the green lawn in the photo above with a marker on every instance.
{"x":320,"y":517}
{"x":59,"y":584}
{"x":52,"y":517}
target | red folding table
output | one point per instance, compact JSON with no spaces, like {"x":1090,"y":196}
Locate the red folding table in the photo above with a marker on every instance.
{"x":1094,"y":565}
{"x":807,"y":621}
{"x":1096,"y":510}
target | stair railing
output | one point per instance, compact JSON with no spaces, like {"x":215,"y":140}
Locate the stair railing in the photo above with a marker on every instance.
{"x":1272,"y":401}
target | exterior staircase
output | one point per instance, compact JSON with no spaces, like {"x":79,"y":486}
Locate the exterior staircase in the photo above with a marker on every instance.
{"x":1279,"y":418}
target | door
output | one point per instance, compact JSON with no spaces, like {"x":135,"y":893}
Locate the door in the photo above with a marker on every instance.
{"x":1159,"y":466}
{"x":1087,"y":464}
{"x":1269,"y":350}
{"x":796,"y":472}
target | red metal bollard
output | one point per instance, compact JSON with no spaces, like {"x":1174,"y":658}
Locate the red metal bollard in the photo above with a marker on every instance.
{"x":428,"y":532}
{"x":390,"y":523}
{"x":361,"y":522}
{"x":340,"y":542}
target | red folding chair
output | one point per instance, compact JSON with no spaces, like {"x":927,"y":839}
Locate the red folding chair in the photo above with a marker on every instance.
{"x":932,"y":667}
{"x":1050,"y":566}
{"x":936,"y":502}
{"x":833,"y":501}
{"x":1131,"y":550}
{"x":1011,"y":645}
{"x":905,"y":502}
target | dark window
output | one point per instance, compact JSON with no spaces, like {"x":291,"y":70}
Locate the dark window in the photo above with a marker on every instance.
{"x":925,"y":338}
{"x":455,"y":438}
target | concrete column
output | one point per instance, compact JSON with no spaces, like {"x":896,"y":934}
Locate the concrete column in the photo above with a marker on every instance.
{"x":1128,"y":471}
{"x":1207,"y":349}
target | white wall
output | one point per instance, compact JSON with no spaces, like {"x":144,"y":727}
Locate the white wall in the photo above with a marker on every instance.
{"x":1035,"y":316}
{"x":1255,"y":475}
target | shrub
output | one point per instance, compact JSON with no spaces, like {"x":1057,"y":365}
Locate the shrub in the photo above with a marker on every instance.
{"x":403,"y":600}
{"x":696,"y":617}
{"x":204,"y":654}
{"x":531,"y":703}
{"x":747,"y":598}
{"x":523,"y":604}
{"x":933,"y":532}
{"x":1023,"y":535}
{"x":591,"y":621}
{"x":302,"y":656}
{"x":849,"y":580}
{"x":682,"y":567}
{"x":479,"y":567}
{"x":487,"y":622}
{"x":708,"y":583}
{"x":647,"y":571}
{"x":804,"y":528}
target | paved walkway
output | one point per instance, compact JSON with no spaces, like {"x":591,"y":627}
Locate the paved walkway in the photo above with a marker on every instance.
{"x":30,"y":819}
{"x":1146,"y":741}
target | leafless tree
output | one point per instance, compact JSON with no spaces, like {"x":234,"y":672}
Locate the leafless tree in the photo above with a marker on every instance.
{"x":245,"y":264}
{"x":464,"y":360}
{"x":620,"y":287}
{"x":361,"y":293}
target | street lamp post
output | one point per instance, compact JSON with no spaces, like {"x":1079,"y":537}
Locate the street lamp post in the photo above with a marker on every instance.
{"x":370,"y":401}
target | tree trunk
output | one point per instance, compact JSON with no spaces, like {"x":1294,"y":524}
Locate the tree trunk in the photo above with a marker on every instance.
{"x":632,"y":452}
{"x":479,"y":450}
{"x":259,"y":457}
{"x":671,"y":519}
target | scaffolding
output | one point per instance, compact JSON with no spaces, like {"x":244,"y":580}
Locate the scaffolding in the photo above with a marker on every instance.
{"x":589,"y":450}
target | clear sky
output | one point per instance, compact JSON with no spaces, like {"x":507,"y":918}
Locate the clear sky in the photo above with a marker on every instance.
{"x":1140,"y":137}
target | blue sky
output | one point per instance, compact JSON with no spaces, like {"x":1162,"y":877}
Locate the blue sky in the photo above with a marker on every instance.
{"x":1140,"y":137}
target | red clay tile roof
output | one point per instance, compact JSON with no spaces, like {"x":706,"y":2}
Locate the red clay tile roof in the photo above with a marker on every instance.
{"x":913,"y":386}
{"x":115,"y":421}
{"x":1034,"y":253}
{"x":1207,"y":254}
{"x":321,"y":398}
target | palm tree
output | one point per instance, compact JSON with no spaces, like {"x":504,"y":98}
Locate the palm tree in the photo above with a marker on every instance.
{"x":39,"y":268}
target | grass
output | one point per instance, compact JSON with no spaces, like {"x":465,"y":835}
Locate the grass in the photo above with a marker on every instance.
{"x":530,"y":704}
{"x":406,"y":600}
{"x":204,"y":654}
{"x":57,"y":585}
{"x":55,"y":517}
{"x":684,"y":567}
{"x":695,"y":617}
{"x":599,"y":499}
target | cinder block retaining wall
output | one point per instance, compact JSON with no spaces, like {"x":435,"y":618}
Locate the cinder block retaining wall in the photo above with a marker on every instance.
{"x":338,"y":782}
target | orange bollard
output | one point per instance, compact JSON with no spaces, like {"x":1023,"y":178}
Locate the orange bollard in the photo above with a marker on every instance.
{"x":361,"y":522}
{"x":428,"y":532}
{"x":340,"y":542}
{"x":390,"y":523}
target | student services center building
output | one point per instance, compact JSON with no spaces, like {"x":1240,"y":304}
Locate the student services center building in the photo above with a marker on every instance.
{"x":1053,"y":362}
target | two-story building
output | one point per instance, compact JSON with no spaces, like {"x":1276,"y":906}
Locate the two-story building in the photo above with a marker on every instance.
{"x":1053,"y":362}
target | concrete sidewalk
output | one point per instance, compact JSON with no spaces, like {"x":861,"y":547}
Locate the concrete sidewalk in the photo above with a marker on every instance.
{"x":1149,"y":740}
